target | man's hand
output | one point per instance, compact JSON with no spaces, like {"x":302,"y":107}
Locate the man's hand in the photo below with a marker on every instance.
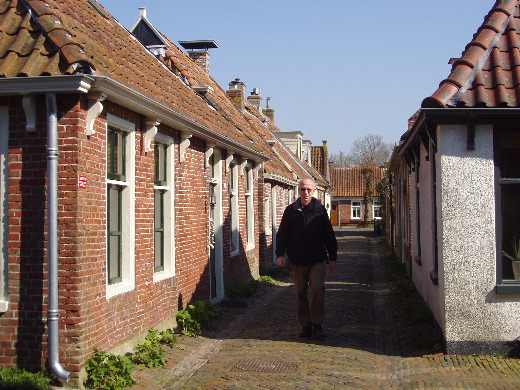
{"x":332,"y":265}
{"x":281,"y":262}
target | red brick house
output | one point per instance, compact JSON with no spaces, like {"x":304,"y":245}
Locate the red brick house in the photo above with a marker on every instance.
{"x":131,"y":185}
{"x":350,"y":187}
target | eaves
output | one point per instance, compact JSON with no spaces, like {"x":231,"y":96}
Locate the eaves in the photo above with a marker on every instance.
{"x":429,"y":118}
{"x":126,"y":97}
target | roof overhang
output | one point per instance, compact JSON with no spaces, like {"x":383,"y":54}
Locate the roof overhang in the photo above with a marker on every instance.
{"x":431,"y":117}
{"x":126,"y":97}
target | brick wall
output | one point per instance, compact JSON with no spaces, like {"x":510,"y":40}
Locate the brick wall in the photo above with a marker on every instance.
{"x":88,"y":318}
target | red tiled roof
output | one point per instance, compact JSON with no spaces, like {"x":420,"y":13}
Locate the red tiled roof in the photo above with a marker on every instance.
{"x":351,"y":182}
{"x":488,"y":73}
{"x":69,"y":36}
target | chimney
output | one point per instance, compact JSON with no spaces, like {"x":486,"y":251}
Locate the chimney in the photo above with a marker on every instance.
{"x":237,"y":93}
{"x":326,"y":167}
{"x":268,"y":111}
{"x":255,"y":99}
{"x":199,"y":52}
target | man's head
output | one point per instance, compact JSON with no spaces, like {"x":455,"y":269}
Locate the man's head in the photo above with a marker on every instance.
{"x":306,"y":189}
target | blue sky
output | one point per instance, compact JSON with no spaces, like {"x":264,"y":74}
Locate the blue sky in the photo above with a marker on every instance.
{"x":335,"y":69}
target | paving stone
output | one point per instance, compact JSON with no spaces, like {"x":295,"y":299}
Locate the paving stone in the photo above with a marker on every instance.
{"x":369,"y":343}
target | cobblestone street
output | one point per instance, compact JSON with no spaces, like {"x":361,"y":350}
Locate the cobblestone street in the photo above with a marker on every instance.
{"x":367,"y":344}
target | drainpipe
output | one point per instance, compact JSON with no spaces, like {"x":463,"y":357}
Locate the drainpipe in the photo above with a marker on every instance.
{"x":53,"y":313}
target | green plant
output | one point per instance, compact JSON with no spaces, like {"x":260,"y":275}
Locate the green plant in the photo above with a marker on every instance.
{"x":266,"y":280}
{"x":109,"y":371}
{"x":197,"y":316}
{"x":19,"y":379}
{"x":167,"y":337}
{"x":149,"y":353}
{"x":515,"y":245}
{"x":242,"y":289}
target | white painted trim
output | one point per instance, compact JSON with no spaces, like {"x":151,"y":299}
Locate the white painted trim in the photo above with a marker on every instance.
{"x":169,"y":220}
{"x":4,"y":144}
{"x":128,"y":203}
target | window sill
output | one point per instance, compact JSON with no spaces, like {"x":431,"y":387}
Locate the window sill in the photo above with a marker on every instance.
{"x":4,"y":306}
{"x":508,"y":288}
{"x":234,"y":253}
{"x":119,"y":288}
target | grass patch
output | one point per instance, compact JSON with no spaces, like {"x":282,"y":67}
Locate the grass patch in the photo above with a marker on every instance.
{"x":19,"y":379}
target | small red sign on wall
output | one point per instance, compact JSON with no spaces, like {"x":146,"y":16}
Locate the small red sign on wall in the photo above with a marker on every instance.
{"x":82,"y":181}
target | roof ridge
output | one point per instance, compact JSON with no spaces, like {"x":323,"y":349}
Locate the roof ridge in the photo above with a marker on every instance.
{"x":476,"y":53}
{"x":56,"y":33}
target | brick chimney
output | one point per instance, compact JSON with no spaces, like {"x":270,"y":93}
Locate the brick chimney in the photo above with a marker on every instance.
{"x":237,"y":93}
{"x":255,"y":99}
{"x":268,"y":111}
{"x":199,"y":52}
{"x":326,"y":165}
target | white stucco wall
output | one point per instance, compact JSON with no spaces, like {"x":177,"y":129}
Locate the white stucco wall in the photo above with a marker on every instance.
{"x":421,"y":273}
{"x":476,"y":319}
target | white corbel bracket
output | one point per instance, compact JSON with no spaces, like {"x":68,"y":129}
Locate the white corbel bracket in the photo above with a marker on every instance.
{"x":185,"y":144}
{"x":150,"y":132}
{"x":256,"y":170}
{"x":243,"y":166}
{"x":29,"y":106}
{"x":208,"y":153}
{"x":229,"y":158}
{"x":95,"y":108}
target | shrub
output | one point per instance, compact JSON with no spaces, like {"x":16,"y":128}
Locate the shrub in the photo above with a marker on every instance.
{"x":109,"y":371}
{"x":243,"y":289}
{"x":19,"y":379}
{"x":196,"y":317}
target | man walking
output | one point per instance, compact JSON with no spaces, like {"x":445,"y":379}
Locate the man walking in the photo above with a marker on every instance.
{"x":307,"y":237}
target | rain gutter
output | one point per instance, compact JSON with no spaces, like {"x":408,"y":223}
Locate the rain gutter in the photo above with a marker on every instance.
{"x":53,"y":313}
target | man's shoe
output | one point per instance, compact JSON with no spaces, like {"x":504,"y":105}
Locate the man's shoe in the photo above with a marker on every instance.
{"x":317,"y":332}
{"x":306,"y":331}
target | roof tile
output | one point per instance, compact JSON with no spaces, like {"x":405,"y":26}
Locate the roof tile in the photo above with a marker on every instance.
{"x":488,"y":74}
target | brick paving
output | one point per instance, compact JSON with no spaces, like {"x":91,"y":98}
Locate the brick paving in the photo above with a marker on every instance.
{"x":367,"y":344}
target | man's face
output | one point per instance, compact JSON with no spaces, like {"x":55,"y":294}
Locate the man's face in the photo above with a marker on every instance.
{"x":306,"y":190}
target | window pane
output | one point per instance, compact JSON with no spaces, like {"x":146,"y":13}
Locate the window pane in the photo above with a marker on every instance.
{"x":114,"y":234}
{"x":160,"y":164}
{"x":510,"y":228}
{"x":116,"y":154}
{"x":159,"y":230}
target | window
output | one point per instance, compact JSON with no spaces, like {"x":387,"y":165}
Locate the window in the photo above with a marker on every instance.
{"x":250,"y":222}
{"x":163,"y":208}
{"x":377,"y":212}
{"x":120,"y":205}
{"x":508,"y":208}
{"x":233,"y":206}
{"x":4,"y":137}
{"x":355,"y":210}
{"x":116,"y":169}
{"x":160,"y":183}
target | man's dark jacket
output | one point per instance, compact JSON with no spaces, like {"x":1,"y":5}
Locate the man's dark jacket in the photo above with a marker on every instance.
{"x":306,"y":234}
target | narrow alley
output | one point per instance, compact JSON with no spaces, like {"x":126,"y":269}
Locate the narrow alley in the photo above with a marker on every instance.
{"x":366,"y":345}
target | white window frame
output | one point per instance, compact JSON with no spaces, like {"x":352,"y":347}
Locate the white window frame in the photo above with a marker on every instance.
{"x":128,"y":206}
{"x":356,"y":207}
{"x":233,"y":204}
{"x":4,"y":150}
{"x":169,"y":211}
{"x":249,"y":202}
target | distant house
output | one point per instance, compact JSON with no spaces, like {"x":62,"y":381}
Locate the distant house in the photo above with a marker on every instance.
{"x":457,"y":170}
{"x":355,"y":199}
{"x":131,"y":183}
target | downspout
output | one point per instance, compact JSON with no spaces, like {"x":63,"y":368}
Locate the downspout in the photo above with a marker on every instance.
{"x":53,"y":313}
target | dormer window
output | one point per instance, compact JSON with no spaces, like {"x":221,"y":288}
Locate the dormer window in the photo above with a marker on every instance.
{"x":148,"y":35}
